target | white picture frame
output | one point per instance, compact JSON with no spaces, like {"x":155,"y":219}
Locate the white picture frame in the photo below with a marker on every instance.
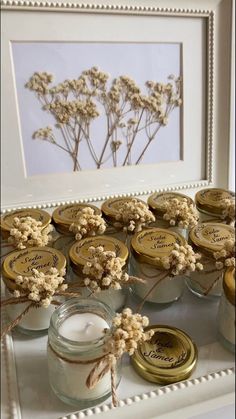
{"x":205,"y":157}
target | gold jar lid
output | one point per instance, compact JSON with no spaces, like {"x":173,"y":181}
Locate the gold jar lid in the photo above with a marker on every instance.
{"x":210,"y":237}
{"x":150,"y":245}
{"x":210,"y":200}
{"x":169,"y":356}
{"x":21,"y":262}
{"x":79,"y":254}
{"x":65,"y":215}
{"x":157,"y":200}
{"x":229,"y":284}
{"x":8,"y":218}
{"x":110,"y":208}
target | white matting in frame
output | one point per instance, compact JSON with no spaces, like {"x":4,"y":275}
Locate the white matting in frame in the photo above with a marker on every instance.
{"x":192,"y":169}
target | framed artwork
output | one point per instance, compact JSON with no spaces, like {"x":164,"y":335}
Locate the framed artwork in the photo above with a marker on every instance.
{"x":102,"y":108}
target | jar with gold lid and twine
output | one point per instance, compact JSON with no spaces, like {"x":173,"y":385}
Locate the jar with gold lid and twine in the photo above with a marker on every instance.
{"x":226,"y":313}
{"x":126,"y":216}
{"x":90,"y":258}
{"x":216,"y":205}
{"x":173,"y":211}
{"x":162,"y":258}
{"x":65,"y":215}
{"x":216,"y":243}
{"x":34,"y":285}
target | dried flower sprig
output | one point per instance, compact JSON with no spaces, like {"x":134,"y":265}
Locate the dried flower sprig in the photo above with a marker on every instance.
{"x":28,"y":232}
{"x":226,"y":256}
{"x":181,"y":213}
{"x":104,"y":271}
{"x":228,"y":213}
{"x":88,"y":224}
{"x":126,"y":333}
{"x":133,"y":216}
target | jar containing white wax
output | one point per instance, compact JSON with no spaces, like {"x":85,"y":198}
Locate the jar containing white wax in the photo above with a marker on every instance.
{"x":79,"y":256}
{"x":21,"y":263}
{"x":209,"y":203}
{"x":156,"y":204}
{"x":148,"y":247}
{"x":226,"y":313}
{"x":110,"y":210}
{"x":206,"y":239}
{"x":75,"y":345}
{"x":65,"y":215}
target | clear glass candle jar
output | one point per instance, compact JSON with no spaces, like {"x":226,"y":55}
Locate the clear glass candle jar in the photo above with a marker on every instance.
{"x":156,"y":204}
{"x":207,"y":238}
{"x":64,"y":215}
{"x":79,"y":256}
{"x":209,"y":203}
{"x":147,"y":247}
{"x":21,"y":262}
{"x":75,"y":344}
{"x":7,"y":219}
{"x":226,"y":313}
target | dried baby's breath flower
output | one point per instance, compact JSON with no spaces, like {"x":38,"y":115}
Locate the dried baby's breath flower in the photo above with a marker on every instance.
{"x":133,"y":216}
{"x":88,"y":224}
{"x":226,"y":256}
{"x":28,"y":232}
{"x":182,"y":260}
{"x":40,"y":287}
{"x":104,"y":270}
{"x":181,"y":213}
{"x":228,"y":206}
{"x":127,"y":333}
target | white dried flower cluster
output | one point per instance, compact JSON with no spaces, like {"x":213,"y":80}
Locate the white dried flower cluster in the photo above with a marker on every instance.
{"x":225,"y":257}
{"x":41,"y":287}
{"x":104,"y":270}
{"x":88,"y":224}
{"x":228,"y":206}
{"x":182,"y":260}
{"x":28,"y":232}
{"x":133,"y":215}
{"x":181,"y":213}
{"x":39,"y":83}
{"x":127,"y":333}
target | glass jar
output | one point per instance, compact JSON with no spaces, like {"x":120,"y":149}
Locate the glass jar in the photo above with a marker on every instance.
{"x":21,"y":262}
{"x":110,"y":209}
{"x":147,"y":247}
{"x":75,"y":344}
{"x":209,"y":203}
{"x":226,"y":313}
{"x":64,"y":215}
{"x":8,"y":218}
{"x":207,"y":238}
{"x":79,"y":256}
{"x":156,"y":204}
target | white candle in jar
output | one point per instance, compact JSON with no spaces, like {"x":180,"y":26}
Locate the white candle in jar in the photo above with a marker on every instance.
{"x":68,"y":374}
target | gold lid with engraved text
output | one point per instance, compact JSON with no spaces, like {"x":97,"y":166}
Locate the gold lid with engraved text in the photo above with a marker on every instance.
{"x":210,"y":200}
{"x":152,"y":244}
{"x":8,"y":218}
{"x":157,"y":200}
{"x":21,"y":262}
{"x":229,"y":284}
{"x":65,"y":215}
{"x":78,"y":252}
{"x":210,"y":237}
{"x":111,"y":207}
{"x":169,"y":356}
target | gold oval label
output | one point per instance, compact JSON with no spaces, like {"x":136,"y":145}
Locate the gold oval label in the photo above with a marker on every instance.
{"x":156,"y":242}
{"x":211,"y":236}
{"x":22,"y":262}
{"x":67,"y":214}
{"x":79,"y":253}
{"x":39,"y":215}
{"x":157,"y":200}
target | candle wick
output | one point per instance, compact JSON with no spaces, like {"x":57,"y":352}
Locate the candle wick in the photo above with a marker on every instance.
{"x":88,"y":324}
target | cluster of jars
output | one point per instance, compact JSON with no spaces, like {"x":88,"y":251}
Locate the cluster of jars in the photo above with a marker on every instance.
{"x":141,"y":253}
